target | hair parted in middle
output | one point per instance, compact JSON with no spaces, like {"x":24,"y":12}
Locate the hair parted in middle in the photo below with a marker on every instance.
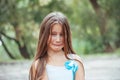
{"x":45,"y":30}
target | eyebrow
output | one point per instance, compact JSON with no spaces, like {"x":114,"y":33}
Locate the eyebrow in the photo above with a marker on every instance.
{"x":56,"y":32}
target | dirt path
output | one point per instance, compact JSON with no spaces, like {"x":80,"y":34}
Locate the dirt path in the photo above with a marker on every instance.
{"x":95,"y":69}
{"x":14,"y":70}
{"x":103,"y":69}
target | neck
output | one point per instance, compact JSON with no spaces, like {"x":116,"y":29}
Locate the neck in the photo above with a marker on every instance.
{"x":53,"y":53}
{"x":56,"y":58}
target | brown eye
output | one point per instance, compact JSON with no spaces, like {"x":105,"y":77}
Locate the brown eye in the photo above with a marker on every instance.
{"x":53,"y":34}
{"x":61,"y":34}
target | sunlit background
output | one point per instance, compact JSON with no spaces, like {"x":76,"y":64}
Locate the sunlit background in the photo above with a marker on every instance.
{"x":95,"y":26}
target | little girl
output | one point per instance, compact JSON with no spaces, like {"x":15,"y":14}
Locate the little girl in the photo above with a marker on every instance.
{"x":55,"y":58}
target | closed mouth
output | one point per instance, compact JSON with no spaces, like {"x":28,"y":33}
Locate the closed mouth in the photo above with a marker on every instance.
{"x":57,"y":44}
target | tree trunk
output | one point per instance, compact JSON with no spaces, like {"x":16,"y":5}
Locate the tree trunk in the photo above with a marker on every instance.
{"x":117,"y":42}
{"x":22,"y":48}
{"x":24,"y":52}
{"x":102,"y":24}
{"x":6,"y":49}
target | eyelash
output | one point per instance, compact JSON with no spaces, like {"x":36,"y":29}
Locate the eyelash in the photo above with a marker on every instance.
{"x":53,"y":34}
{"x":61,"y":34}
{"x":56,"y":34}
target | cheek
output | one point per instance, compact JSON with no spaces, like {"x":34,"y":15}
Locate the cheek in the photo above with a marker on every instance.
{"x":49,"y":39}
{"x":63,"y":40}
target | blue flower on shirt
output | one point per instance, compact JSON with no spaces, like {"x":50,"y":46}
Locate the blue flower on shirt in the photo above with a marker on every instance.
{"x":71,"y":65}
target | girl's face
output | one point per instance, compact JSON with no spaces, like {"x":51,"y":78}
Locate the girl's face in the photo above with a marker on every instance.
{"x":56,"y":38}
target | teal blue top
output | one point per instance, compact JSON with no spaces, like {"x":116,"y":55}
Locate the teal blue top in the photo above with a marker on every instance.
{"x":66,"y":72}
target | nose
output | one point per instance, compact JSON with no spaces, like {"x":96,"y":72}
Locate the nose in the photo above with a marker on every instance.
{"x":58,"y":38}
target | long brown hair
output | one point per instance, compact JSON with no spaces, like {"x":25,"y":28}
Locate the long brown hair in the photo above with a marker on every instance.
{"x":45,"y":30}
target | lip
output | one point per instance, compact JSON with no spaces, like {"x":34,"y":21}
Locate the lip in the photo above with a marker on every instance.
{"x":57,"y":44}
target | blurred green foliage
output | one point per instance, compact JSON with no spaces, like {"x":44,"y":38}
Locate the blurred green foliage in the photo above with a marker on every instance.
{"x":20,"y":20}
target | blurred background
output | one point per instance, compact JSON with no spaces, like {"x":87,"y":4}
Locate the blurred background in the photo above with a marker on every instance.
{"x":95,"y":26}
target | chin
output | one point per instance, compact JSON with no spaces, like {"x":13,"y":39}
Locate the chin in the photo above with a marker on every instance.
{"x":57,"y":49}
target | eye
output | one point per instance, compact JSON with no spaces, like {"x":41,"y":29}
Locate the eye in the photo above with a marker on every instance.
{"x":61,"y":34}
{"x":53,"y":34}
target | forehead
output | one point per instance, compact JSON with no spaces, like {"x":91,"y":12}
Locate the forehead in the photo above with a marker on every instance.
{"x":57,"y":28}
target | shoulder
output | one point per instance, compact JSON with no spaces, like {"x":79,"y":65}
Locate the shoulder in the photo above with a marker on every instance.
{"x":78,"y":60}
{"x":80,"y":74}
{"x":33,"y":69}
{"x":35,"y":63}
{"x":75,"y":57}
